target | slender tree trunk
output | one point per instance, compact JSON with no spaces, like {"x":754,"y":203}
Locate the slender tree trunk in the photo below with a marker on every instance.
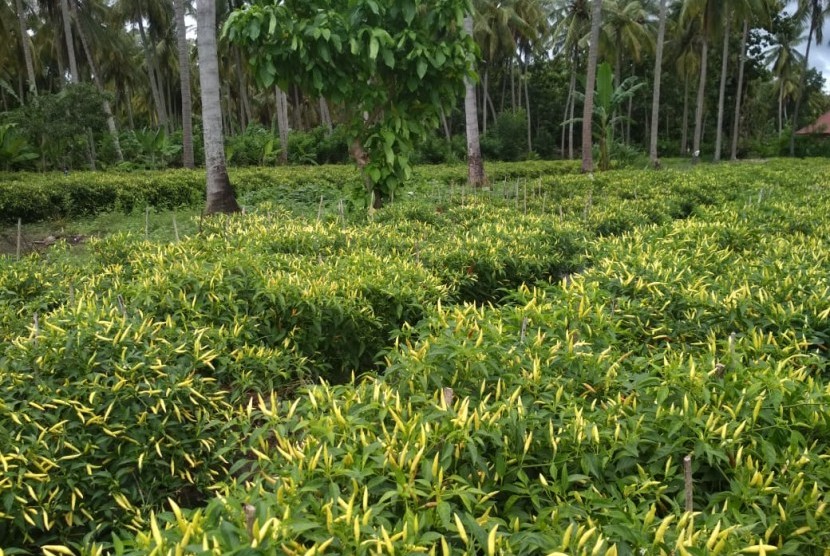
{"x":244,"y":103}
{"x":780,"y":112}
{"x":800,"y":92}
{"x":722,"y":89}
{"x":184,"y":80}
{"x":325,"y":115}
{"x":446,"y":126}
{"x":512,"y":86}
{"x":70,"y":47}
{"x":527,"y":109}
{"x":569,"y":113}
{"x":475,"y":166}
{"x":282,"y":123}
{"x":701,"y":90}
{"x":736,"y":123}
{"x":564,"y":125}
{"x":655,"y":95}
{"x":590,"y":83}
{"x":220,"y":195}
{"x":684,"y":134}
{"x":484,"y":96}
{"x":128,"y":102}
{"x":100,"y":86}
{"x":61,"y":66}
{"x":27,"y":51}
{"x":151,"y":74}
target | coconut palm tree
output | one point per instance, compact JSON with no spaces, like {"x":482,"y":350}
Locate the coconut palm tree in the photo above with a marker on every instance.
{"x":708,"y":13}
{"x":220,"y":196}
{"x":184,"y":85}
{"x":98,"y":83}
{"x":572,"y":23}
{"x":590,"y":83}
{"x":746,"y":10}
{"x":70,"y":44}
{"x":815,"y":12}
{"x":786,"y":62}
{"x":475,"y":166}
{"x":27,"y":49}
{"x":655,"y":96}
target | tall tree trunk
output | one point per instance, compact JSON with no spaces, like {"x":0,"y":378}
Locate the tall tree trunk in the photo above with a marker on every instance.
{"x":484,"y":96}
{"x":244,"y":103}
{"x":569,"y":113}
{"x":684,"y":134}
{"x":445,"y":125}
{"x":325,"y":115}
{"x":800,"y":92}
{"x":220,"y":195}
{"x":155,"y":88}
{"x":100,"y":86}
{"x":184,"y":81}
{"x":701,"y":90}
{"x":736,"y":122}
{"x":780,"y":112}
{"x":475,"y":166}
{"x":128,"y":102}
{"x":722,"y":89}
{"x":27,"y":51}
{"x":655,"y":95}
{"x":70,"y":47}
{"x":590,"y":83}
{"x":526,"y":81}
{"x":282,"y":123}
{"x":512,"y":86}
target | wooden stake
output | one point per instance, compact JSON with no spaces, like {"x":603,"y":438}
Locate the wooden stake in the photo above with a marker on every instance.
{"x":448,"y":395}
{"x":36,"y":324}
{"x":146,"y":223}
{"x":688,"y":486}
{"x":250,"y":517}
{"x":121,"y":306}
{"x":19,"y":236}
{"x":175,"y":228}
{"x":524,"y":330}
{"x":525,"y":189}
{"x":320,"y":209}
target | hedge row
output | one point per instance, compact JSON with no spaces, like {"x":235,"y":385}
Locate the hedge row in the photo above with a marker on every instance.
{"x":35,"y":197}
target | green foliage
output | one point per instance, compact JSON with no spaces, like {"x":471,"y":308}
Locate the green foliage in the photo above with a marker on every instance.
{"x":508,"y":138}
{"x":591,"y":340}
{"x":57,"y":124}
{"x":15,"y":151}
{"x":393,"y":65}
{"x":572,"y":406}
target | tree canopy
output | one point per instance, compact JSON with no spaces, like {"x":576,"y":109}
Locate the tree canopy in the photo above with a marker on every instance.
{"x":393,"y":65}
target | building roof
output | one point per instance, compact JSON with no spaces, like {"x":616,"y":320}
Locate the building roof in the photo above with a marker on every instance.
{"x":819,"y":127}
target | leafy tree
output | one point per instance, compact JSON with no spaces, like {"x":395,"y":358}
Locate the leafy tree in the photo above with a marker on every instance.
{"x":393,"y":65}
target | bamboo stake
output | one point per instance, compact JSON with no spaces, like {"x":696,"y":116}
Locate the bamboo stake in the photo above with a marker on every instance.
{"x":175,"y":228}
{"x":688,"y":486}
{"x":146,"y":223}
{"x":19,"y":236}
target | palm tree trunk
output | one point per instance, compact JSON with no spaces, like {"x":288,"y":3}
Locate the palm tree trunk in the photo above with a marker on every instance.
{"x":282,"y":123}
{"x":244,"y":104}
{"x":184,"y":81}
{"x":220,"y":196}
{"x":70,"y":48}
{"x":475,"y":166}
{"x":780,"y":112}
{"x":325,"y":115}
{"x":655,"y":95}
{"x":800,"y":92}
{"x":484,"y":96}
{"x":128,"y":102}
{"x":722,"y":90}
{"x":527,"y":109}
{"x":572,"y":108}
{"x":701,"y":90}
{"x":736,"y":121}
{"x":27,"y":51}
{"x":151,"y":74}
{"x":684,"y":134}
{"x":590,"y":83}
{"x":100,"y":86}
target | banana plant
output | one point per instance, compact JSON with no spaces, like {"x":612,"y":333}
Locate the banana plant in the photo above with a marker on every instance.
{"x":607,"y":114}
